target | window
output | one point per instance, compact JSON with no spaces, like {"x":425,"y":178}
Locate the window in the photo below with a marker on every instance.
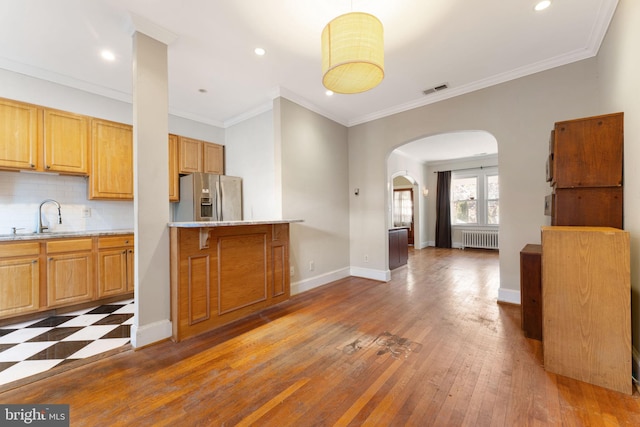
{"x":475,"y":197}
{"x":402,"y":207}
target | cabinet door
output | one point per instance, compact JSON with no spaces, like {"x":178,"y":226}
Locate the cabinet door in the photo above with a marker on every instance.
{"x":112,"y":272}
{"x":19,"y":286}
{"x":174,"y":176}
{"x":115,"y":265}
{"x":111,"y":161}
{"x":130,"y":271}
{"x":70,"y":278}
{"x":190,"y":155}
{"x":66,"y":142}
{"x":213,"y":158}
{"x":19,"y":135}
{"x":394,"y":250}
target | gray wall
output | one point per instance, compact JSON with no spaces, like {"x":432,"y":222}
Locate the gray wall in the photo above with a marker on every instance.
{"x":619,"y":70}
{"x":519,"y":114}
{"x":250,"y":154}
{"x":314,"y":166}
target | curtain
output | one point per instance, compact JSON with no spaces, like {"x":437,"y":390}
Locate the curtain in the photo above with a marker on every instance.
{"x":402,"y":207}
{"x":443,"y":210}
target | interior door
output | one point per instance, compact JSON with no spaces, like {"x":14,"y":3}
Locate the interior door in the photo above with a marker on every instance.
{"x":403,"y":210}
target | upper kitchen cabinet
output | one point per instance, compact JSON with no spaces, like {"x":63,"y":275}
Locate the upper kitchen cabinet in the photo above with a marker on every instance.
{"x":111,"y":161}
{"x":29,"y":133}
{"x":213,"y":161}
{"x":174,"y":176}
{"x":19,"y":135}
{"x":190,"y":155}
{"x":200,"y":156}
{"x":66,"y":142}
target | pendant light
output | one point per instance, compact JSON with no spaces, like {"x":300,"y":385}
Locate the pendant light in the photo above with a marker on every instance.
{"x":352,"y":53}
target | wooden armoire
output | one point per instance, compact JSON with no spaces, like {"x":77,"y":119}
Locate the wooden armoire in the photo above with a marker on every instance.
{"x":584,"y":169}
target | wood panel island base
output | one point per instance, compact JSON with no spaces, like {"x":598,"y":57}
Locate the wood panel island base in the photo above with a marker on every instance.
{"x":224,"y":271}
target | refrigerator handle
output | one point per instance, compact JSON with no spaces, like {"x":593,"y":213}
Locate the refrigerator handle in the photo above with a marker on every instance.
{"x":219,"y":196}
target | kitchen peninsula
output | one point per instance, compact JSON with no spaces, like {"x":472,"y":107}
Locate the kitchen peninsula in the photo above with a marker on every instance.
{"x":222,"y":271}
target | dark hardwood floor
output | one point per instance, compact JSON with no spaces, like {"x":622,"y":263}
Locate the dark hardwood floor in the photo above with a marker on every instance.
{"x":430,"y":347}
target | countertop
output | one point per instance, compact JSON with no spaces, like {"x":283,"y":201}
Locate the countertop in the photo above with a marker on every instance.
{"x":61,"y":234}
{"x":198,"y":224}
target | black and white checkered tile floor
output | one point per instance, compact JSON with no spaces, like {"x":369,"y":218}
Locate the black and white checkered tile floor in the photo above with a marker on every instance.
{"x":36,"y":346}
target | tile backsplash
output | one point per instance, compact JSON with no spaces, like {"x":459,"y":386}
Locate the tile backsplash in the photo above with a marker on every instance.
{"x":22,"y":192}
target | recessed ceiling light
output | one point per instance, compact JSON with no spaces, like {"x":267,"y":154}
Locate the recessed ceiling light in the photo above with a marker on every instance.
{"x":542,"y":5}
{"x":107,"y":55}
{"x":260,"y":51}
{"x":329,"y":93}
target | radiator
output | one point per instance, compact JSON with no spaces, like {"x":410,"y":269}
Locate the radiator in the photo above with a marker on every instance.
{"x":485,"y":239}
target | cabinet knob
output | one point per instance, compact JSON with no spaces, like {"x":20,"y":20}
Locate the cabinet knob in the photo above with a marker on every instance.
{"x":126,"y":242}
{"x":32,"y":165}
{"x":48,"y":167}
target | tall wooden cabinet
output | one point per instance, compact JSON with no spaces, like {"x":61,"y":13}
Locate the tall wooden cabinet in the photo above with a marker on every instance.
{"x":585,"y":171}
{"x":586,"y":305}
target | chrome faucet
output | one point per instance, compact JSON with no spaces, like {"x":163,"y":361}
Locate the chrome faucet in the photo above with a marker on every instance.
{"x":42,"y":228}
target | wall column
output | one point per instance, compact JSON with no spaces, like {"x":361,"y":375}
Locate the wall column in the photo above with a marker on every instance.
{"x":151,"y":184}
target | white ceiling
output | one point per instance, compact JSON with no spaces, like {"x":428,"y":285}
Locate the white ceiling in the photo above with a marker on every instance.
{"x":448,"y":146}
{"x":467,"y":44}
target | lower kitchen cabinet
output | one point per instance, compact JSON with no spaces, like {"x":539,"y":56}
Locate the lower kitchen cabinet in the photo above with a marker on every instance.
{"x":70,"y":277}
{"x":222,"y":274}
{"x":55,"y":273}
{"x":115,"y":265}
{"x":398,"y":247}
{"x":19,"y":278}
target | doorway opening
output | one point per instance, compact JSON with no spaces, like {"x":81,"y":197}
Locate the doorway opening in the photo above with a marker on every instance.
{"x":403,"y":205}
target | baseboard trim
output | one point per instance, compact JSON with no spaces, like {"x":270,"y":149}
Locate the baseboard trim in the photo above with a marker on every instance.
{"x":317,"y":281}
{"x":369,"y":273}
{"x":142,"y":336}
{"x":509,"y":296}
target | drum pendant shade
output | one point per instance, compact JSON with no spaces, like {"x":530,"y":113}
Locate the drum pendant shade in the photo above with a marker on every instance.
{"x":352,"y":53}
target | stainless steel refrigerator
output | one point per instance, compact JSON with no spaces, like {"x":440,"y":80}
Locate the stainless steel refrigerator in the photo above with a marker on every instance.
{"x":209,"y":197}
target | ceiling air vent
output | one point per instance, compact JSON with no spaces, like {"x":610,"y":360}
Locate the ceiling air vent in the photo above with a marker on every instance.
{"x":438,"y":88}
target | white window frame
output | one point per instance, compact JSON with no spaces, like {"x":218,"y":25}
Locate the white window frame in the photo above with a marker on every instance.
{"x":481,"y":175}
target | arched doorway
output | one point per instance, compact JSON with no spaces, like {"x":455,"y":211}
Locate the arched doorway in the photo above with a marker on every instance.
{"x":421,"y":158}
